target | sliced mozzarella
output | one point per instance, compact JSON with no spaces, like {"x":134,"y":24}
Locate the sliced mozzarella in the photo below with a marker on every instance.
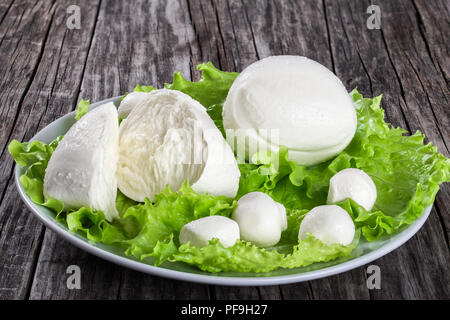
{"x":354,"y":184}
{"x":81,"y":171}
{"x":200,"y":232}
{"x":131,"y":100}
{"x":260,"y":219}
{"x":168,"y":139}
{"x":291,"y":101}
{"x":330,"y":224}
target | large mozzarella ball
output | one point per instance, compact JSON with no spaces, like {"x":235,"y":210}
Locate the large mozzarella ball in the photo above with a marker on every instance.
{"x":291,"y":101}
{"x":330,"y":224}
{"x":168,"y":139}
{"x":261,"y":219}
{"x":200,"y":232}
{"x":354,"y":184}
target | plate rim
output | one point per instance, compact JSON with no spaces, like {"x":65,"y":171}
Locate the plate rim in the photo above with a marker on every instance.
{"x":397,"y":241}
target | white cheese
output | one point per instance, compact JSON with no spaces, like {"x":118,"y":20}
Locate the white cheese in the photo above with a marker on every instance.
{"x":131,"y":100}
{"x":291,"y":101}
{"x":330,"y":224}
{"x":81,"y":171}
{"x":283,"y":217}
{"x":200,"y":232}
{"x":261,"y":219}
{"x":354,"y":184}
{"x":168,"y":139}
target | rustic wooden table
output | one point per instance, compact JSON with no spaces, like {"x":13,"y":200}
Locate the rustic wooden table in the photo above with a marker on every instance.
{"x":46,"y":68}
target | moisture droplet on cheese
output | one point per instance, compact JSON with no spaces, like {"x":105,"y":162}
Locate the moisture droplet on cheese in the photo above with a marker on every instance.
{"x":330,"y":224}
{"x":168,"y":139}
{"x":291,"y":101}
{"x":260,"y":219}
{"x":81,"y":171}
{"x":354,"y":184}
{"x":200,"y":232}
{"x":130,"y":101}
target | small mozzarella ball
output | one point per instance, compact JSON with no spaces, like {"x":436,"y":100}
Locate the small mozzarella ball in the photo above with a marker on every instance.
{"x":330,"y":224}
{"x":200,"y":232}
{"x":283,"y":217}
{"x":260,"y":219}
{"x":354,"y":184}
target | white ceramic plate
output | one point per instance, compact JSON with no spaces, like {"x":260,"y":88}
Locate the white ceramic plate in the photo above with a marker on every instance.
{"x":363,"y":254}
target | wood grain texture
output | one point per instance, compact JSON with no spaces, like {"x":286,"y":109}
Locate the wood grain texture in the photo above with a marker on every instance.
{"x":368,"y":62}
{"x":47,"y":68}
{"x":433,"y":20}
{"x":20,"y":52}
{"x":51,"y":92}
{"x":24,"y":31}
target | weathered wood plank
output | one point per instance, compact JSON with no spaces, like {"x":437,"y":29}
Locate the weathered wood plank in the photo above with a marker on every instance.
{"x":236,"y":293}
{"x":424,"y":87}
{"x":236,"y":35}
{"x":434,"y":23}
{"x":297,"y":291}
{"x":417,"y":270}
{"x":360,"y":57}
{"x":135,"y":285}
{"x":208,"y":45}
{"x":21,"y":48}
{"x":366,"y":54}
{"x":350,"y":285}
{"x":246,"y":293}
{"x":4,"y":8}
{"x":51,"y":93}
{"x":98,"y":277}
{"x":20,"y":240}
{"x":144,"y":46}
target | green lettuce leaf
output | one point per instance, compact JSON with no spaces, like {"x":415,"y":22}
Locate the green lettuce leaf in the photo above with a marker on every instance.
{"x":34,"y":156}
{"x":169,"y":212}
{"x":211,"y":90}
{"x":139,"y":88}
{"x":246,"y":257}
{"x":82,"y":109}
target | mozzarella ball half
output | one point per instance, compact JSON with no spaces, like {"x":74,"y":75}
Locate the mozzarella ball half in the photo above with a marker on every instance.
{"x":131,"y":100}
{"x":200,"y":232}
{"x":81,"y":170}
{"x":261,"y":219}
{"x":354,"y":184}
{"x":298,"y":98}
{"x":330,"y":224}
{"x":168,"y":139}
